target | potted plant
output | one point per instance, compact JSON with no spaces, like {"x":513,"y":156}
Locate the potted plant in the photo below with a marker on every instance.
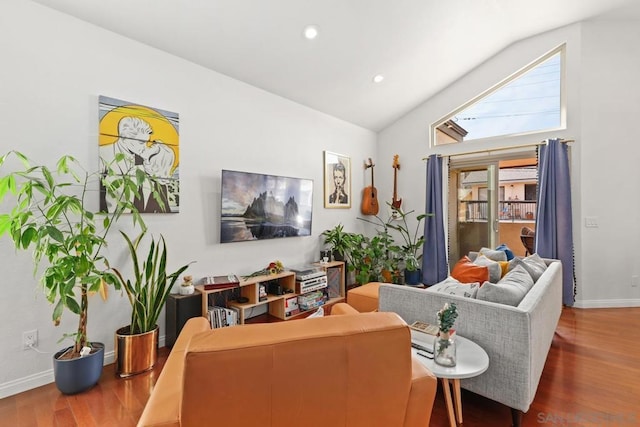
{"x":338,"y":241}
{"x":137,"y":344}
{"x":52,"y":217}
{"x":445,"y":346}
{"x":384,"y":252}
{"x":413,"y":240}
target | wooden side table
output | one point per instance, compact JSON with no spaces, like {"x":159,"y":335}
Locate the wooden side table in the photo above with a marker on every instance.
{"x":471,"y":361}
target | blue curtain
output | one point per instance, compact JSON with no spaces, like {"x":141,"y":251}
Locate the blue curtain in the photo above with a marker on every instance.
{"x":554,"y":232}
{"x":434,"y":258}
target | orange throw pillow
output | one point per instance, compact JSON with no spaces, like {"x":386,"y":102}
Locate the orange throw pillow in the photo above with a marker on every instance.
{"x":467,"y":272}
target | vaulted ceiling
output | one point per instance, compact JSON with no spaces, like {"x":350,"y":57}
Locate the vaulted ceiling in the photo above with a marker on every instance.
{"x":419,"y":46}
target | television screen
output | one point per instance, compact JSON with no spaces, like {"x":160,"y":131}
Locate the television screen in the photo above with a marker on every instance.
{"x":256,"y":206}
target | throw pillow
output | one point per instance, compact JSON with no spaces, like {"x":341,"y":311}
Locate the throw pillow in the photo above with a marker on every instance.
{"x":510,"y":290}
{"x":451,"y":286}
{"x":504,"y":265}
{"x":507,"y":251}
{"x":495,"y":271}
{"x":467,"y":272}
{"x":533,"y":264}
{"x":493,"y":254}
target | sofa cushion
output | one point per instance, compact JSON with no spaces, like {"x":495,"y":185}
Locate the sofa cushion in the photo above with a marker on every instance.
{"x":452,"y":286}
{"x":467,"y":272}
{"x":510,"y":290}
{"x":533,"y":264}
{"x":495,"y":270}
{"x":496,"y":255}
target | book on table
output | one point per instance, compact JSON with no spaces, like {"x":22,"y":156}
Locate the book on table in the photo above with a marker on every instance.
{"x":221,"y":282}
{"x":424,"y":334}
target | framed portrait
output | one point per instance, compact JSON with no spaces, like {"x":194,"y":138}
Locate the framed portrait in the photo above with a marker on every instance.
{"x":337,"y":181}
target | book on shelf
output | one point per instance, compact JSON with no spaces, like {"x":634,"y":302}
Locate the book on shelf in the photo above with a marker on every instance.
{"x":221,"y":282}
{"x":222,"y":317}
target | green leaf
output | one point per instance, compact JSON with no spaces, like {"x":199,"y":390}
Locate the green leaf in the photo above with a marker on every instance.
{"x":57,"y":312}
{"x":72,"y":304}
{"x":55,"y":234}
{"x":28,"y":236}
{"x":5,"y":223}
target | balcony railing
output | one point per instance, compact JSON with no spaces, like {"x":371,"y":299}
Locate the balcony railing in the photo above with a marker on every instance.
{"x":508,"y":210}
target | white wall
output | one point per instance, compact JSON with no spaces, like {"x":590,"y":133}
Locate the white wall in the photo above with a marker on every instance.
{"x":53,"y":69}
{"x":603,"y":102}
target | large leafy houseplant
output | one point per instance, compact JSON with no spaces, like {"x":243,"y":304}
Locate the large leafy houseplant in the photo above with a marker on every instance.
{"x":52,"y":216}
{"x":151,"y":284}
{"x":412,"y":240}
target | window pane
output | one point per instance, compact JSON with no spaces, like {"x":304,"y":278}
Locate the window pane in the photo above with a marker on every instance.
{"x":530,"y":102}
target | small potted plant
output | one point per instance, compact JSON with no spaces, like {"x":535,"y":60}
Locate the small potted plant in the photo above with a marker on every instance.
{"x":338,"y":240}
{"x":444,"y":350}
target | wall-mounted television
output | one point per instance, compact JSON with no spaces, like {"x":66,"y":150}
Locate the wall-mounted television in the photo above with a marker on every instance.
{"x":257,"y":206}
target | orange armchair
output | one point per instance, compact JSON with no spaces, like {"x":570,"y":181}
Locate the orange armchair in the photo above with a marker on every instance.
{"x":341,"y":370}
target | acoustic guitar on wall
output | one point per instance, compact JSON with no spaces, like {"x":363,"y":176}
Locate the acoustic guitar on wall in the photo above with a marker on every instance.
{"x":395,"y":202}
{"x":370,"y":195}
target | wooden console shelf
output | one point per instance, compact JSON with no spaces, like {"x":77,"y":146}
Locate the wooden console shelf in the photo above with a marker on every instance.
{"x":250,"y":288}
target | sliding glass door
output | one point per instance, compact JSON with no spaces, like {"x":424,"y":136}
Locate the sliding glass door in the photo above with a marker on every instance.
{"x":490,"y":200}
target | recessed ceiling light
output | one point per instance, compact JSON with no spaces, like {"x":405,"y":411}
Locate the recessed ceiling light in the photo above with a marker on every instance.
{"x":310,"y":32}
{"x":378,"y":78}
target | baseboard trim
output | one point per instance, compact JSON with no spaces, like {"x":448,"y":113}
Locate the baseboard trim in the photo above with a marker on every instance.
{"x":608,"y":303}
{"x":46,"y":377}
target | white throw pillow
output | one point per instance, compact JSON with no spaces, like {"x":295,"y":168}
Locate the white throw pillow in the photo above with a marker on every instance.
{"x":495,"y":271}
{"x":533,"y":264}
{"x":493,"y":254}
{"x":452,"y":286}
{"x":510,"y":290}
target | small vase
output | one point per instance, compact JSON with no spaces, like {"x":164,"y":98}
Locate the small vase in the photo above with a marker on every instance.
{"x":444,"y":350}
{"x":187,"y":290}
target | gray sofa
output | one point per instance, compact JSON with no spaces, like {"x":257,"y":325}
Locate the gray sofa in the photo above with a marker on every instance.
{"x":517,"y":339}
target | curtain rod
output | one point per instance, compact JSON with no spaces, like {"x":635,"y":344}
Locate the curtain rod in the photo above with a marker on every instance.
{"x":511,"y":147}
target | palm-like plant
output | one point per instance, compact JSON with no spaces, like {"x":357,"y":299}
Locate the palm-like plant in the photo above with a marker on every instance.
{"x":51,"y":216}
{"x":151,"y":285}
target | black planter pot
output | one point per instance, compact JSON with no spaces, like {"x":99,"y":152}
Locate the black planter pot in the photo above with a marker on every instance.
{"x":412,"y":277}
{"x":77,"y":375}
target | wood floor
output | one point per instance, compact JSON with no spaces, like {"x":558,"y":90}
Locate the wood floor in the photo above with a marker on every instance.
{"x":591,"y":378}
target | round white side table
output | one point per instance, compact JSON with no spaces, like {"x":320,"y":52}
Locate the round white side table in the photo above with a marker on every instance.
{"x":471,"y":361}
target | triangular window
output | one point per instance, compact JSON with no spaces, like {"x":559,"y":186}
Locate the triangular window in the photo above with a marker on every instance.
{"x":529,"y":101}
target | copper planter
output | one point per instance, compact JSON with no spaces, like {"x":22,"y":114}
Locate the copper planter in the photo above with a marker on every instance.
{"x":135,"y":353}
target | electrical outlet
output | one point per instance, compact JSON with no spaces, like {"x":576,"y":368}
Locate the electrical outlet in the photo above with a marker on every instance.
{"x":634,"y":281}
{"x":29,"y":339}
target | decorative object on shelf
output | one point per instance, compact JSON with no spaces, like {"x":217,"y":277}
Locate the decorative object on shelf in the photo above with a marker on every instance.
{"x":187,"y":288}
{"x":325,"y":256}
{"x":274,"y":267}
{"x":337,"y":180}
{"x":444,"y":347}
